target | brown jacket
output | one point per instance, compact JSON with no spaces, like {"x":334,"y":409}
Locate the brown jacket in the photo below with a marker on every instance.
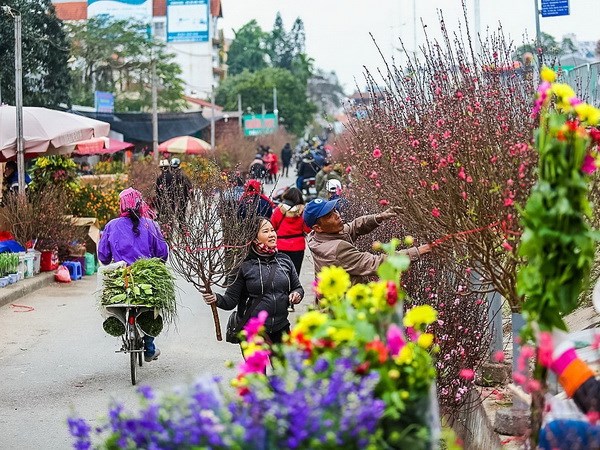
{"x":339,"y":250}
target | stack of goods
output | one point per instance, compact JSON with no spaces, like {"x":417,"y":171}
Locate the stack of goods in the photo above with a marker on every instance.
{"x":146,"y":283}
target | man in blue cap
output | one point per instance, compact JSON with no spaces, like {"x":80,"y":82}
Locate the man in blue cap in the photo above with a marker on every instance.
{"x":332,"y":242}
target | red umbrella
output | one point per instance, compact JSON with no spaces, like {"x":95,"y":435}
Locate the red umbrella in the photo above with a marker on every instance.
{"x":185,"y":145}
{"x":100,"y":146}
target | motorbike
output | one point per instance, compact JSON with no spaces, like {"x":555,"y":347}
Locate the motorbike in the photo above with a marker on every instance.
{"x":309,"y":189}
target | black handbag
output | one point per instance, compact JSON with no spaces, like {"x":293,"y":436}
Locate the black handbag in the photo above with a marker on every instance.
{"x":235,"y":324}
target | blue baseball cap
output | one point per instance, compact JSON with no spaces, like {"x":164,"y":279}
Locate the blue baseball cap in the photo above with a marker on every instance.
{"x":317,"y":209}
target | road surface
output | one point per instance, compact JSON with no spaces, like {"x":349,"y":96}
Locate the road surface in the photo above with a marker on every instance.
{"x":57,"y":359}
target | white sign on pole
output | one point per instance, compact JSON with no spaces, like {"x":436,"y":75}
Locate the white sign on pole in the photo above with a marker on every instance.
{"x":140,"y":10}
{"x":187,"y":20}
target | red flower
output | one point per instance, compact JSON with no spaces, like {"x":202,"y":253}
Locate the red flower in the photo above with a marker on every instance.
{"x":384,"y":202}
{"x":362,"y":368}
{"x":377,"y":153}
{"x":435,"y":212}
{"x":378,"y":348}
{"x":391,"y":293}
{"x":508,"y":202}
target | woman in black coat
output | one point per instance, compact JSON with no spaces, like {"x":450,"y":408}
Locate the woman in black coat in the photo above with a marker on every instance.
{"x":266,"y":281}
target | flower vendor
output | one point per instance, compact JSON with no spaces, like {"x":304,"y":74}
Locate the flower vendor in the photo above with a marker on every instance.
{"x":132,"y":236}
{"x":266,"y":281}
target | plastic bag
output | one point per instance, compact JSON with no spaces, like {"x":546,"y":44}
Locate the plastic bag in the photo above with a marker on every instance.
{"x":62,"y":275}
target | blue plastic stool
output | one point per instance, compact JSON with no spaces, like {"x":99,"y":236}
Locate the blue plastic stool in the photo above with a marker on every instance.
{"x":74,"y":269}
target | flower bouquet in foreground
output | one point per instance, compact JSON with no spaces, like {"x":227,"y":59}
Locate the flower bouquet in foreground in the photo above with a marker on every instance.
{"x":348,"y":376}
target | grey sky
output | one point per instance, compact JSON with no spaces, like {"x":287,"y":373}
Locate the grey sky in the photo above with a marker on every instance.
{"x":337,"y":31}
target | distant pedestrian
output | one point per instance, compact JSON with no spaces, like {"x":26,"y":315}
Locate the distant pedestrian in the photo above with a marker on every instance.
{"x":11,"y":179}
{"x":325,"y":174}
{"x":291,"y":230}
{"x":165,"y":206}
{"x":286,"y":159}
{"x":257,"y":169}
{"x":254,"y":201}
{"x":181,"y":191}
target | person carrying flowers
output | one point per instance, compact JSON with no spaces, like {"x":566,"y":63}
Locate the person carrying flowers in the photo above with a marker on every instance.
{"x":332,"y":242}
{"x":266,"y":281}
{"x":132,"y":236}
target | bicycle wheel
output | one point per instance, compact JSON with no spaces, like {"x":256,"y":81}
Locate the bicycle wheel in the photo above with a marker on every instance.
{"x":132,"y":358}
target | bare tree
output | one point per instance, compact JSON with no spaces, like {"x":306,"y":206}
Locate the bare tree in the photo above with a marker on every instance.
{"x":209,"y":240}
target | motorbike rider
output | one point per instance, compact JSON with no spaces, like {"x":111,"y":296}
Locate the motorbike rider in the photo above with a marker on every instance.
{"x":308,"y":169}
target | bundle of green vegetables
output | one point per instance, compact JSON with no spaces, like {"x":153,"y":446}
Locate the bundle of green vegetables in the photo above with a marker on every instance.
{"x":146,"y":282}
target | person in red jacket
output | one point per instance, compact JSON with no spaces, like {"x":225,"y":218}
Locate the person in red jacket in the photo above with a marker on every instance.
{"x":290,"y":227}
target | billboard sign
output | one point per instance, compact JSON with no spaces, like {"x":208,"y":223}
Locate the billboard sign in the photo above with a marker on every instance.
{"x":187,"y":20}
{"x":140,"y":10}
{"x":104,"y":102}
{"x":257,"y":124}
{"x":555,"y":8}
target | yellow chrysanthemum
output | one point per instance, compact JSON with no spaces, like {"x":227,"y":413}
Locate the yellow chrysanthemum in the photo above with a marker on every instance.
{"x":379,"y":295}
{"x":310,"y":320}
{"x":587,"y":113}
{"x":359,"y":295}
{"x":405,"y":356}
{"x":420,"y":315}
{"x":333,"y":282}
{"x":563,"y":91}
{"x":425,"y":340}
{"x":338,"y":335}
{"x":250,"y":348}
{"x":547,"y":74}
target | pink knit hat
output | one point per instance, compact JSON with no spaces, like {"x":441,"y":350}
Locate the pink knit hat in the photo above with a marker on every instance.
{"x":130,"y":199}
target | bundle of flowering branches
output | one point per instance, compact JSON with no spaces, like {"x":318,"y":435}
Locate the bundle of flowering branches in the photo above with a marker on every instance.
{"x":463,"y":328}
{"x":558,"y":241}
{"x":208,"y":239}
{"x":448,"y":138}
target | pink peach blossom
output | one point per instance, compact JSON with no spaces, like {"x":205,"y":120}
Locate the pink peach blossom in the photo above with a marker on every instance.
{"x":467,"y":374}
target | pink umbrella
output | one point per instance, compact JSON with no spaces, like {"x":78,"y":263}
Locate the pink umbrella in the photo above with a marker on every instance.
{"x":100,"y":146}
{"x":46,"y":129}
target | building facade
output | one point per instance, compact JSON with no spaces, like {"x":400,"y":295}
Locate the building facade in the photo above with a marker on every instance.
{"x":189,"y":27}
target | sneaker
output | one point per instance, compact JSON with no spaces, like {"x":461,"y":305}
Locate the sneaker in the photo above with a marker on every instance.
{"x":152,"y":357}
{"x":291,"y":308}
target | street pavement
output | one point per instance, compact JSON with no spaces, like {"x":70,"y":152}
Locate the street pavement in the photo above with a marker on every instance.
{"x":56,"y":359}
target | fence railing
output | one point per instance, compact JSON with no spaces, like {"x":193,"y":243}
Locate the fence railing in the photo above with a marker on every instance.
{"x":585,"y":80}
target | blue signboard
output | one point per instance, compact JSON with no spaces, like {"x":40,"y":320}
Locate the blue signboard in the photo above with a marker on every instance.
{"x":104,"y":102}
{"x":187,"y":20}
{"x":555,"y":8}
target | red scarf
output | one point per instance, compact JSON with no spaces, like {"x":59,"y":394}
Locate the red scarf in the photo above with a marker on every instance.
{"x":264,"y":249}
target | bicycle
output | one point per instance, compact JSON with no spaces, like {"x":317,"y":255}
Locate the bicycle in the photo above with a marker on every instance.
{"x":133,"y":342}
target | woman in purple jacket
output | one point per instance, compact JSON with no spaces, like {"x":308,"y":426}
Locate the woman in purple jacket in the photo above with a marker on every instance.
{"x":132,"y":236}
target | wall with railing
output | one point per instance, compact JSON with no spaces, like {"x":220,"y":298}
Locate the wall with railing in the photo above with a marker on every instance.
{"x":585,"y":80}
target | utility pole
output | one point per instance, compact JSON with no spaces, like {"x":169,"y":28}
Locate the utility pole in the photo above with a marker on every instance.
{"x":19,"y":103}
{"x":538,"y":31}
{"x":212,"y":118}
{"x":275,"y":110}
{"x":240,"y":112}
{"x":477,"y":16}
{"x":154,"y":112}
{"x":262,"y":120}
{"x":415,"y":29}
